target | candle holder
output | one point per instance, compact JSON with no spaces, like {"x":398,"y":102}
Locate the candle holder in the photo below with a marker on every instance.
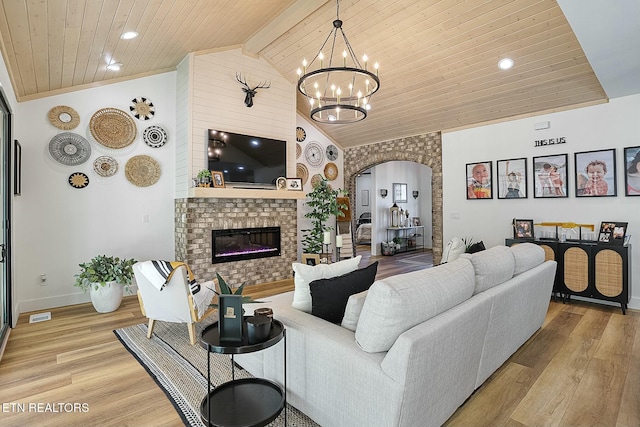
{"x":337,"y":254}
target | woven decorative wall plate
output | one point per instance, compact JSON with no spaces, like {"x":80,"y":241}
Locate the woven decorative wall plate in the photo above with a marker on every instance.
{"x":113,"y":128}
{"x":331,"y":171}
{"x":302,"y":172}
{"x":142,"y":108}
{"x":298,"y":150}
{"x":69,"y":149}
{"x":316,"y":180}
{"x":105,"y":166}
{"x":154,"y":136}
{"x":78,"y":180}
{"x":142,"y":171}
{"x":63,"y":117}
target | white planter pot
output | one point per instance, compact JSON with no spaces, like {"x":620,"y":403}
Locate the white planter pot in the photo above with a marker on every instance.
{"x":107,"y":298}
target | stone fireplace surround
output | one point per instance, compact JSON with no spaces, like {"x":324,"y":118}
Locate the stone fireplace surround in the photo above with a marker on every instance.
{"x":195,"y":217}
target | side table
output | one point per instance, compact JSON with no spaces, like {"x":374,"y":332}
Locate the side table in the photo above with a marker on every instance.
{"x":247,"y":402}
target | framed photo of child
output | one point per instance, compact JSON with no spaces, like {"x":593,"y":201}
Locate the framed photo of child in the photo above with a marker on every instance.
{"x":632,"y":171}
{"x":595,"y":173}
{"x":512,"y":179}
{"x":550,"y":176}
{"x":479,"y":184}
{"x":523,"y":228}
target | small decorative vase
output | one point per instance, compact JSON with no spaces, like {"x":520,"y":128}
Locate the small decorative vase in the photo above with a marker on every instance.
{"x":106,"y":298}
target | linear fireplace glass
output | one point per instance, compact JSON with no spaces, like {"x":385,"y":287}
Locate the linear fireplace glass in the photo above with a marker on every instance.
{"x":244,"y":243}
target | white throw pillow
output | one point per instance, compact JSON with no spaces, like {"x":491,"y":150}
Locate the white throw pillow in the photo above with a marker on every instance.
{"x":305,"y":274}
{"x":352,"y":310}
{"x":455,"y":247}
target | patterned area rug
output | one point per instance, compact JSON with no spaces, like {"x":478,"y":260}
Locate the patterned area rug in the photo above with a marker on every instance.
{"x":180,"y":369}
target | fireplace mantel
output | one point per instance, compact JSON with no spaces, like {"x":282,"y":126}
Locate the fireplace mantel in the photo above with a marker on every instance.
{"x":244,"y":193}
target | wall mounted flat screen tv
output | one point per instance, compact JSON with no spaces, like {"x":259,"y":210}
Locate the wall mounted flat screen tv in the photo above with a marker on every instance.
{"x":246,"y":160}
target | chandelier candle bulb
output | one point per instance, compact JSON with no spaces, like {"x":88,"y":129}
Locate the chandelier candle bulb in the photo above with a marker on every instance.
{"x":327,"y":238}
{"x":365,"y":58}
{"x":344,"y":58}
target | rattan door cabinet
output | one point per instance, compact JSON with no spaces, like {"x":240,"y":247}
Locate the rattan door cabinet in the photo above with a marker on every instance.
{"x":588,"y":269}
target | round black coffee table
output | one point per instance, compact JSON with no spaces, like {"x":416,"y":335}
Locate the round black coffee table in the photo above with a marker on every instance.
{"x":247,"y":402}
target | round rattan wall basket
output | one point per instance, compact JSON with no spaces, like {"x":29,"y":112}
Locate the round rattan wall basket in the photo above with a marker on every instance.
{"x":63,"y":117}
{"x":142,"y":171}
{"x":113,"y":128}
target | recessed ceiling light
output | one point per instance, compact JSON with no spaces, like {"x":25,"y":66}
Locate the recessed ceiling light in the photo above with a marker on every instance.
{"x":115,"y":66}
{"x":505,"y":64}
{"x":129,"y":35}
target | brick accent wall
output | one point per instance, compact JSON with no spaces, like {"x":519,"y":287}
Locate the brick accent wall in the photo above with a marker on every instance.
{"x":196,"y":217}
{"x":424,"y":149}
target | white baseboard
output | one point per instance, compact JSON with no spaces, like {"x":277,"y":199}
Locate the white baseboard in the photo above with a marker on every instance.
{"x":57,"y":301}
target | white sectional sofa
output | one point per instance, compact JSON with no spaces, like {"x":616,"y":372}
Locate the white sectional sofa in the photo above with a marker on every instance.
{"x":424,"y":341}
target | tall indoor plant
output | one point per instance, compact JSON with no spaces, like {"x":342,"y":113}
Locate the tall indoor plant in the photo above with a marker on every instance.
{"x":323,"y":201}
{"x":105,"y":277}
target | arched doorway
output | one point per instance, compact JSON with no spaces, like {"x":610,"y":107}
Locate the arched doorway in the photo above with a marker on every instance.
{"x":425,"y":149}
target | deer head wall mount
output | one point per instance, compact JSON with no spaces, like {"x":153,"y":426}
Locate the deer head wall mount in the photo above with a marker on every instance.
{"x":250,"y":93}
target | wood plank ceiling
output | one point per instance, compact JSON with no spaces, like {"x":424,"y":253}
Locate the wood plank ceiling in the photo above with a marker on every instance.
{"x":438,"y":59}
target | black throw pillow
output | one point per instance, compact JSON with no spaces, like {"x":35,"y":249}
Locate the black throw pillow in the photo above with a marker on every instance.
{"x":329,"y":296}
{"x":476,"y":247}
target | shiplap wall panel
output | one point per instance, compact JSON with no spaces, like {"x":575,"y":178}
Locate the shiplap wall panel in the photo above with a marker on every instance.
{"x":218,"y":102}
{"x":183,"y":126}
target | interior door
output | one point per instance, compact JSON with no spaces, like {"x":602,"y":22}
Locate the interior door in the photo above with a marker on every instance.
{"x":5,"y":215}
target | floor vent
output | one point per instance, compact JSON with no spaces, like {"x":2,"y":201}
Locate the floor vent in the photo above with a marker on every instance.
{"x":40,"y":317}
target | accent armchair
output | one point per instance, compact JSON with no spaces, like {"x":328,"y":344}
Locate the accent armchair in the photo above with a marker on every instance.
{"x":174,"y":303}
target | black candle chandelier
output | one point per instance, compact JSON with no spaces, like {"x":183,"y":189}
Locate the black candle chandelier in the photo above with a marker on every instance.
{"x":338,"y":94}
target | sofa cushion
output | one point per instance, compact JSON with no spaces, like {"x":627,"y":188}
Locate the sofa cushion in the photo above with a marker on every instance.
{"x":492,"y":267}
{"x":305,"y":274}
{"x":352,"y":310}
{"x":526,"y":257}
{"x":453,"y":250}
{"x":398,"y":303}
{"x":329,"y":296}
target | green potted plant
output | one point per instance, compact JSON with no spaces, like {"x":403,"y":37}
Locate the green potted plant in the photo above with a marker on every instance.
{"x":225,"y":289}
{"x":323,"y":201}
{"x":105,"y":277}
{"x":204,"y":178}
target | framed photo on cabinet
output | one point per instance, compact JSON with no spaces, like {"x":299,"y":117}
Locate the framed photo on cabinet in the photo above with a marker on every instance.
{"x":512,"y":179}
{"x":550,"y":176}
{"x":612,"y":233}
{"x":595,"y":173}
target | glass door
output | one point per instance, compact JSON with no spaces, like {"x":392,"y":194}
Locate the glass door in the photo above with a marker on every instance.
{"x":5,"y":215}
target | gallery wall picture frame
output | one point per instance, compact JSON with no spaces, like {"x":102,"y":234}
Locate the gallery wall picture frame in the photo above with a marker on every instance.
{"x":479,"y":180}
{"x":512,"y":178}
{"x":632,"y":171}
{"x":311,"y":259}
{"x":218,"y":179}
{"x":523,"y":229}
{"x":612,"y":233}
{"x":550,"y":176}
{"x":294,"y":184}
{"x":365,"y":197}
{"x":399,"y":192}
{"x":595,"y":173}
{"x":17,"y":168}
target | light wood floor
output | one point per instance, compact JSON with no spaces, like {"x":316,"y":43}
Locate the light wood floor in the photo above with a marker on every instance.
{"x":581,"y":369}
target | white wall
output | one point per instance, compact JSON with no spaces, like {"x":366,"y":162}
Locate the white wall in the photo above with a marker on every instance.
{"x":613,"y":125}
{"x":56,"y":227}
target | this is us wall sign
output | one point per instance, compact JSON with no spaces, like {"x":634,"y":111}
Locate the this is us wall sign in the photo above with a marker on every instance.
{"x":550,"y":141}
